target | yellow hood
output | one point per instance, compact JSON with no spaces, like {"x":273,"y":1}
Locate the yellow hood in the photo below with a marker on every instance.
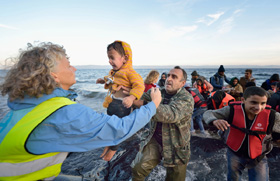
{"x":128,"y":53}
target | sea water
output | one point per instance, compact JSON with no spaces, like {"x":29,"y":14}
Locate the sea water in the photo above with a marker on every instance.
{"x":92,"y":94}
{"x":208,"y":162}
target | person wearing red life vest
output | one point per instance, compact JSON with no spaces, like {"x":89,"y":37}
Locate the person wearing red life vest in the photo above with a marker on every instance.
{"x":200,"y":106}
{"x":247,"y":128}
{"x":219,"y":99}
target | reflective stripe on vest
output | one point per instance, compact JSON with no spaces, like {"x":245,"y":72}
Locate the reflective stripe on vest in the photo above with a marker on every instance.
{"x":16,"y":162}
{"x":236,"y":137}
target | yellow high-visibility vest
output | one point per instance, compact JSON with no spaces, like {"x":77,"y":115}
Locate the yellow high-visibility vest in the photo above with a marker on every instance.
{"x":16,"y":163}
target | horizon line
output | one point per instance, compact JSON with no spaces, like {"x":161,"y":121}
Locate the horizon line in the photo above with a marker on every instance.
{"x":183,"y":66}
{"x":3,"y":67}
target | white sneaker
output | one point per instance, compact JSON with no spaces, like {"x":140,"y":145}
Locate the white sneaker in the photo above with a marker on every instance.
{"x":193,"y":133}
{"x":205,"y":134}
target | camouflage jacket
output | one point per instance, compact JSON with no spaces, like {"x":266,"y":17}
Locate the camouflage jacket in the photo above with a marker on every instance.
{"x":176,"y":119}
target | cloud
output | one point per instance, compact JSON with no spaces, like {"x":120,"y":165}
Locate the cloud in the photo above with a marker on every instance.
{"x":210,"y":18}
{"x":163,"y":33}
{"x":227,"y":24}
{"x":8,"y":27}
{"x":237,"y":11}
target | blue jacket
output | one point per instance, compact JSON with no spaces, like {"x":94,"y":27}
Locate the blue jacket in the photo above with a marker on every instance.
{"x":74,"y":128}
{"x":218,"y":81}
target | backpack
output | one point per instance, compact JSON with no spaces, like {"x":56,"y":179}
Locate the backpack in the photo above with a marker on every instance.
{"x":216,"y":79}
{"x":209,"y":103}
{"x":198,"y":98}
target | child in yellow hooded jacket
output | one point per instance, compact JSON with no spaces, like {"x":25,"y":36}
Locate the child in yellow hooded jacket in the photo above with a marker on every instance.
{"x":121,"y":76}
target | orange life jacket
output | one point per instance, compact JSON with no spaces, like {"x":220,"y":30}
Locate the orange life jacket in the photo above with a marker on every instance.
{"x":224,"y":102}
{"x":203,"y":88}
{"x":236,"y":137}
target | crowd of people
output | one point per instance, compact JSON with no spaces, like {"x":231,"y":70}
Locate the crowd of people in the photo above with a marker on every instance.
{"x":45,"y":123}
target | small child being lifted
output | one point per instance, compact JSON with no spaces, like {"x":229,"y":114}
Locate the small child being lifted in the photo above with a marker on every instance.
{"x":121,"y":76}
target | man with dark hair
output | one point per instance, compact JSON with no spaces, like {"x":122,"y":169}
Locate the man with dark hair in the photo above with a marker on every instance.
{"x":185,"y":76}
{"x":246,"y":128}
{"x":219,"y":78}
{"x":247,"y":78}
{"x":169,"y":133}
{"x":219,"y":99}
{"x":194,"y":75}
{"x":250,"y":84}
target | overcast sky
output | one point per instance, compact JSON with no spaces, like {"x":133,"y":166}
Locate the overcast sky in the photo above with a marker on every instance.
{"x":160,"y":32}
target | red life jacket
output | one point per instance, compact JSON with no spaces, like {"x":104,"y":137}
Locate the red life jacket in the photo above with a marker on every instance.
{"x":224,"y":102}
{"x":199,"y":100}
{"x":236,"y":137}
{"x":277,"y":108}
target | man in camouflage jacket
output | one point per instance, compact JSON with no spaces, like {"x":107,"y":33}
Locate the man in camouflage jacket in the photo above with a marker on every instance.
{"x":169,"y":135}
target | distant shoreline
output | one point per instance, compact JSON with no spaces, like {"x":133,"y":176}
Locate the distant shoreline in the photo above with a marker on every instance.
{"x":183,"y":66}
{"x":169,"y":66}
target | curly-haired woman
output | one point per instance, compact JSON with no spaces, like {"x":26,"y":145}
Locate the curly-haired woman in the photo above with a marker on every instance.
{"x":44,"y":124}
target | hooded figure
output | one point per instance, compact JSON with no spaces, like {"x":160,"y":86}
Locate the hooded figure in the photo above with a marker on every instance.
{"x":126,"y":76}
{"x":161,"y":81}
{"x":232,"y":83}
{"x":122,"y":75}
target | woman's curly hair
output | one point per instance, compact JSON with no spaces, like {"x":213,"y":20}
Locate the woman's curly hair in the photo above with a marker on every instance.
{"x":31,"y":74}
{"x":152,"y":76}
